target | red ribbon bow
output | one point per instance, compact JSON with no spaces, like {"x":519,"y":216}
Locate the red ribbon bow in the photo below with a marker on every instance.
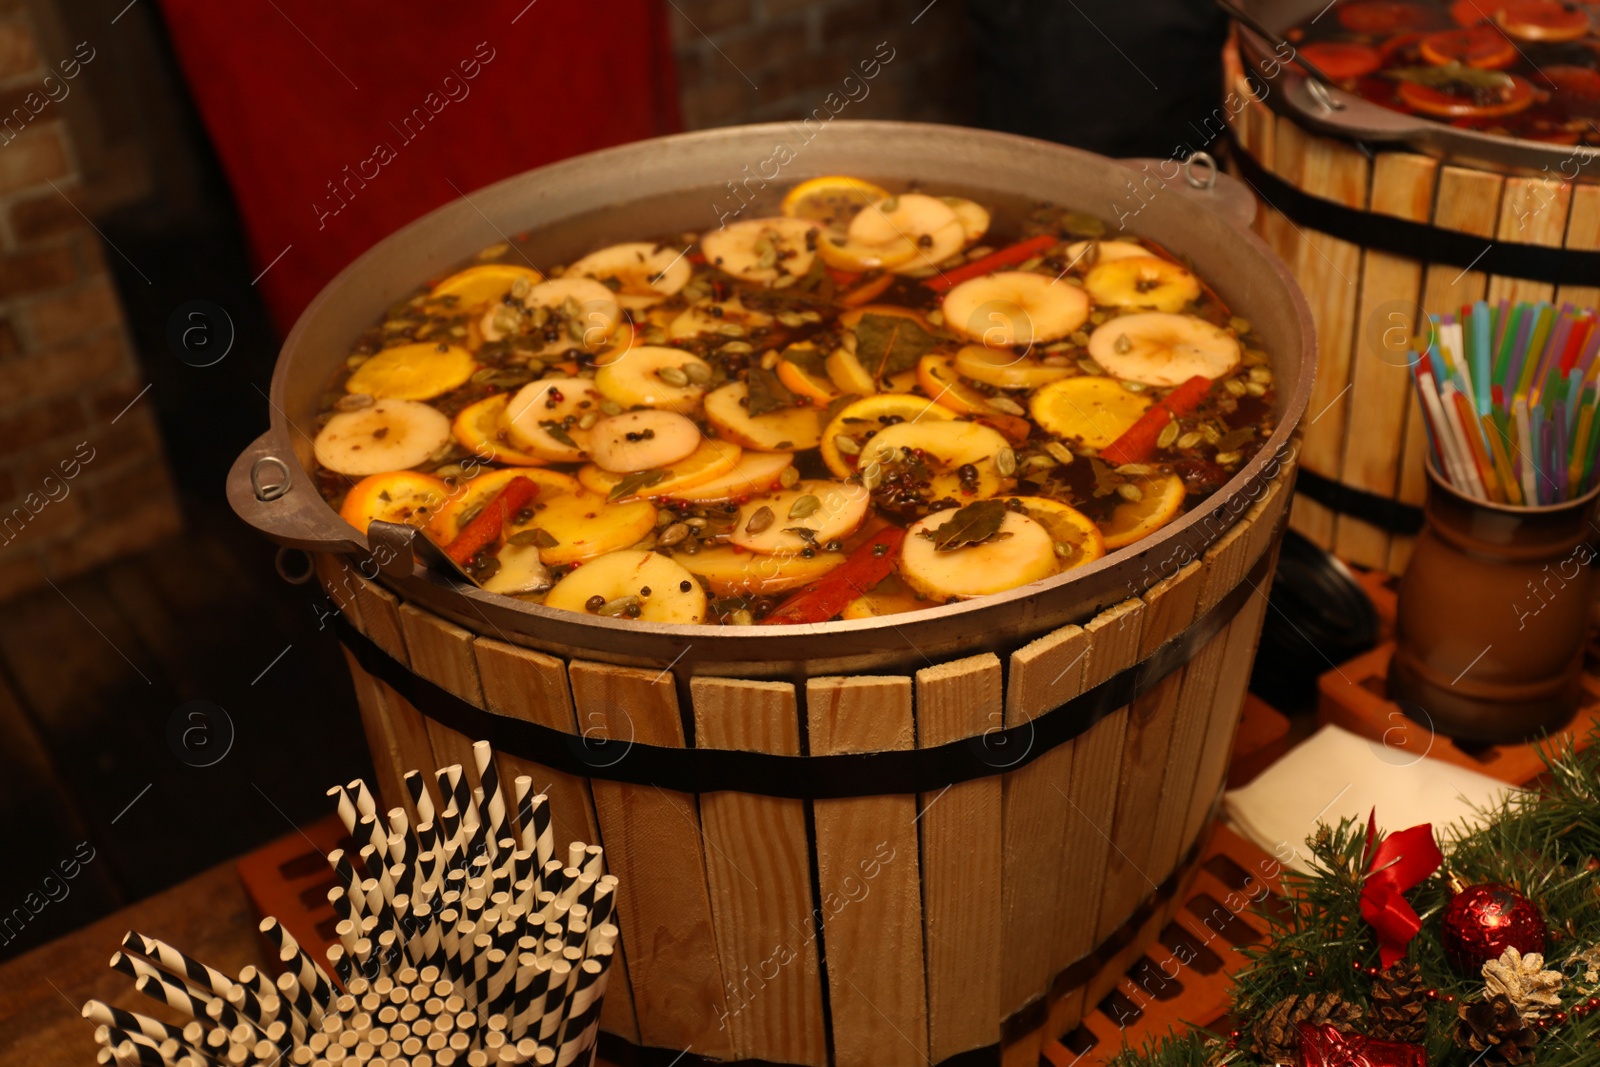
{"x":1399,"y":861}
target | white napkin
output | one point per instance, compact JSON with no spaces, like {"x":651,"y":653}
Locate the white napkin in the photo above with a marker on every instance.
{"x":1335,"y":774}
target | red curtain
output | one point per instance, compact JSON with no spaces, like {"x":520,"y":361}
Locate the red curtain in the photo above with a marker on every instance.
{"x":339,"y":121}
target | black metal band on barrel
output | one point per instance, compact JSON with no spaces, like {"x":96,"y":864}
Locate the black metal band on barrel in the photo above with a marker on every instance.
{"x":1417,"y":240}
{"x":704,"y":770}
{"x":1383,"y":512}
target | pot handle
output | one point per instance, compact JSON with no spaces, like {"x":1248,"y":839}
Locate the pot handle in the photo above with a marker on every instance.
{"x":1200,"y":178}
{"x":265,"y":491}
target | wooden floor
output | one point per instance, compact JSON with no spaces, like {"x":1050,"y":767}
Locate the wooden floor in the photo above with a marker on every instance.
{"x":93,"y":674}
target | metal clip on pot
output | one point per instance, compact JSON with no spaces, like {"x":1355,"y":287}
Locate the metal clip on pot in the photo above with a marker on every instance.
{"x":1205,"y":184}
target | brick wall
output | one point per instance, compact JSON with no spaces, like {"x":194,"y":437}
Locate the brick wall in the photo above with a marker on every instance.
{"x":83,"y":478}
{"x":772,"y":60}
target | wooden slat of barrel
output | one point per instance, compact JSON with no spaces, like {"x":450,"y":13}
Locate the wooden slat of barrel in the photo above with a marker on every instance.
{"x":1223,"y":666}
{"x":1044,"y":673}
{"x":759,"y":870}
{"x":522,"y":684}
{"x":653,"y":845}
{"x":1583,"y":234}
{"x":1468,"y":200}
{"x":442,"y":653}
{"x":1532,"y":211}
{"x":380,"y":621}
{"x":960,"y":861}
{"x":1328,"y":270}
{"x":1037,"y":803}
{"x":1169,"y":609}
{"x":1387,"y":324}
{"x":867,"y":858}
{"x":386,"y":760}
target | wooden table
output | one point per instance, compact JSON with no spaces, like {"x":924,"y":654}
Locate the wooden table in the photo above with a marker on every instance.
{"x":41,"y":992}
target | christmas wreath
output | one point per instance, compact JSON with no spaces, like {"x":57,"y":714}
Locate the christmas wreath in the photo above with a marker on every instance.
{"x":1482,"y":950}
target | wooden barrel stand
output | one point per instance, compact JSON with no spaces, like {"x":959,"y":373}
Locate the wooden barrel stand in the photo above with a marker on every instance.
{"x":1363,"y":429}
{"x":872,"y":929}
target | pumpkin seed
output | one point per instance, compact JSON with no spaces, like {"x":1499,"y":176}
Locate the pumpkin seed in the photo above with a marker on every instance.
{"x":1005,"y":461}
{"x":587,"y":420}
{"x":1060,"y":452}
{"x":1006,"y":405}
{"x":1129,"y":491}
{"x":696,"y":523}
{"x":506,"y":320}
{"x":1261,"y":374}
{"x":760,"y":520}
{"x":449,"y":470}
{"x":611,"y":407}
{"x":619,"y":606}
{"x":673,"y":376}
{"x":788,"y":477}
{"x":1235,"y":387}
{"x":846,"y":444}
{"x":1136,"y":470}
{"x":481,"y":376}
{"x":1122,"y":344}
{"x":673,"y":534}
{"x":647,"y":545}
{"x":353,"y":401}
{"x":1169,"y":434}
{"x":1190,"y":439}
{"x":790,"y":319}
{"x":730,"y":329}
{"x":1227,"y":459}
{"x":665,"y":518}
{"x":806,"y":505}
{"x":1038,"y":463}
{"x":1079,"y":338}
{"x":811,"y":316}
{"x":1089,"y":366}
{"x":520,"y":287}
{"x":699,"y":373}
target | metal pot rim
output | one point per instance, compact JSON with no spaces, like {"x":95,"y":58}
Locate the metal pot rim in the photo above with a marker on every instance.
{"x":884,"y":136}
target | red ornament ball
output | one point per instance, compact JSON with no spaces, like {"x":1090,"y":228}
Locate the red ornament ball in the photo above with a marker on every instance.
{"x":1482,"y":921}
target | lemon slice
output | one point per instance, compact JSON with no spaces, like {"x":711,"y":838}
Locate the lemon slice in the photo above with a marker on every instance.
{"x":1078,"y":540}
{"x":832,"y":200}
{"x":1091,"y":410}
{"x":868,"y":416}
{"x":419,"y":371}
{"x":410,"y":497}
{"x":484,"y":284}
{"x":1162,"y":502}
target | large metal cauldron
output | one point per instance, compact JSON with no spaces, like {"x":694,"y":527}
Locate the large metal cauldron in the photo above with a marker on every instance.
{"x":683,"y":183}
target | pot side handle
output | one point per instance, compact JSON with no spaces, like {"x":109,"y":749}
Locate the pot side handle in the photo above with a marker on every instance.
{"x":267,"y":489}
{"x":1201,"y":179}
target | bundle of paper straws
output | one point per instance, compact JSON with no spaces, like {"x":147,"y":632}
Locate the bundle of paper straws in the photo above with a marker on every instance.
{"x":1509,"y":395}
{"x":463,"y":940}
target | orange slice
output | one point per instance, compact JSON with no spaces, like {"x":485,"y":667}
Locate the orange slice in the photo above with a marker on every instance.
{"x":484,"y":283}
{"x":1091,"y":410}
{"x":802,"y":382}
{"x":418,"y":371}
{"x":732,"y":571}
{"x":411,"y":497}
{"x":468,"y":497}
{"x":888,"y":597}
{"x":1077,"y":538}
{"x":709,"y":460}
{"x":1162,"y":502}
{"x":869,"y":415}
{"x":480,"y":431}
{"x":1477,"y":46}
{"x":832,"y":200}
{"x":938,"y":377}
{"x":757,"y":473}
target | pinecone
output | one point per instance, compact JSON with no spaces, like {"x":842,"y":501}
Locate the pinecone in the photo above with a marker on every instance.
{"x":1493,"y":1027}
{"x":1399,"y":1005}
{"x":1274,"y":1035}
{"x":1532,"y":990}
